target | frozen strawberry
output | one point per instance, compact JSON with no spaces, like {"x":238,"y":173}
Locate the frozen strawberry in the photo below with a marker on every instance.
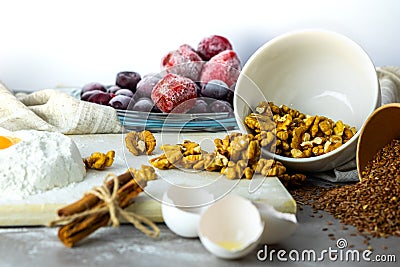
{"x":225,"y":67}
{"x":183,"y":61}
{"x":174,"y":94}
{"x":212,"y":45}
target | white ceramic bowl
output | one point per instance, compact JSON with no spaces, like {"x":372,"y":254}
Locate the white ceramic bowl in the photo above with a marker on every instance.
{"x":317,"y":72}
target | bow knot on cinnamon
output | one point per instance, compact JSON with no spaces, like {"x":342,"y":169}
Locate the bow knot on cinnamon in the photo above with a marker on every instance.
{"x":103,"y":206}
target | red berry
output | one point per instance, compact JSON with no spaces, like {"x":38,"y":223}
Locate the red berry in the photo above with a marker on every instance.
{"x":184,"y":61}
{"x":213,"y":45}
{"x":225,"y":67}
{"x":174,"y":94}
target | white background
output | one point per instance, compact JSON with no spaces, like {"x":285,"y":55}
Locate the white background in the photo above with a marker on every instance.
{"x":47,"y":44}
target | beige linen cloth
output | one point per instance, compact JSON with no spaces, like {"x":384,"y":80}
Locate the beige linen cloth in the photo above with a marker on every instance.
{"x":389,"y":80}
{"x":55,"y":111}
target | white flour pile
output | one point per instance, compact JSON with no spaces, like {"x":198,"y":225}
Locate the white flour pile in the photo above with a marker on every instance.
{"x":40,"y":161}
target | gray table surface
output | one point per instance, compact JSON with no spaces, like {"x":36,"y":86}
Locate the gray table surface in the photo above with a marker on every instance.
{"x":126,"y":246}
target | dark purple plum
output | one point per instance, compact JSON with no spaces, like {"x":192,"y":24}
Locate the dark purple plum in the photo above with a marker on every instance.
{"x":199,"y":107}
{"x":215,"y":89}
{"x":120,"y":101}
{"x":93,"y":86}
{"x":125,"y":92}
{"x":230,"y":94}
{"x":146,"y":84}
{"x":128,"y":80}
{"x":143,"y":104}
{"x":102,"y":98}
{"x":85,"y":96}
{"x":220,"y":106}
{"x":113,"y":88}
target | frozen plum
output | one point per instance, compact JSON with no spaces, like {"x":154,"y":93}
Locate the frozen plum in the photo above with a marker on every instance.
{"x":120,"y":101}
{"x":93,"y":86}
{"x":174,"y":93}
{"x":113,"y":89}
{"x":143,"y":104}
{"x":199,"y":107}
{"x":146,"y":84}
{"x":102,"y":98}
{"x":128,"y":80}
{"x":184,"y":61}
{"x":125,"y":92}
{"x":85,"y":96}
{"x":215,"y":89}
{"x":230,"y":94}
{"x":225,"y":67}
{"x":212,"y":45}
{"x":220,"y":106}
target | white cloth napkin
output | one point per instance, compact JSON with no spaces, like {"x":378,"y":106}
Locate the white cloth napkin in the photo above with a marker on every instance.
{"x":55,"y":111}
{"x":389,"y":80}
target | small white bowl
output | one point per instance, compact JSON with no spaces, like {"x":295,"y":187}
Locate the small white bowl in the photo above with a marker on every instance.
{"x":231,"y":227}
{"x":182,"y":207}
{"x":317,"y":72}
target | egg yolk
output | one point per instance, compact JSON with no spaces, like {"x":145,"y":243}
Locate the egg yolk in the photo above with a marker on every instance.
{"x":6,"y":142}
{"x":232,"y":245}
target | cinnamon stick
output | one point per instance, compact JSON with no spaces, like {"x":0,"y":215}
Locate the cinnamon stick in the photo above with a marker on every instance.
{"x":74,"y":232}
{"x":103,"y":205}
{"x":89,"y":200}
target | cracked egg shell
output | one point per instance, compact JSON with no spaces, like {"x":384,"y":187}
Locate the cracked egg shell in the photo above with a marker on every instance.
{"x":182,"y":207}
{"x":231,"y":228}
{"x":278,"y":225}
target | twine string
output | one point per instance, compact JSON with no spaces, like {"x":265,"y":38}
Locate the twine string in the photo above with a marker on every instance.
{"x":112,"y":207}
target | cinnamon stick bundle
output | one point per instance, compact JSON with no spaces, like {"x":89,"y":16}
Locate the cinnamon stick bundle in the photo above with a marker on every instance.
{"x":90,"y":200}
{"x":101,"y":206}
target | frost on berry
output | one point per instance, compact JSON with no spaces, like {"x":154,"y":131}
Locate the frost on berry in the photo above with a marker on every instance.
{"x":184,"y":61}
{"x":212,"y":45}
{"x":174,"y":94}
{"x":225,"y":67}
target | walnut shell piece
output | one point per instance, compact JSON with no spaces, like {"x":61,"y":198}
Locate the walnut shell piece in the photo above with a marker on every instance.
{"x":139,"y":143}
{"x":99,"y":161}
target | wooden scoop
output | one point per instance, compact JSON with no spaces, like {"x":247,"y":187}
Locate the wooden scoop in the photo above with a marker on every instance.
{"x":382,"y":126}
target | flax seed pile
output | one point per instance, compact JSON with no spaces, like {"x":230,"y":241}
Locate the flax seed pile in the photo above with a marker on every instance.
{"x":372,"y":205}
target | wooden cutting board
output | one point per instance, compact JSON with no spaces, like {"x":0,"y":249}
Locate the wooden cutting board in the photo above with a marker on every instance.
{"x":40,"y":209}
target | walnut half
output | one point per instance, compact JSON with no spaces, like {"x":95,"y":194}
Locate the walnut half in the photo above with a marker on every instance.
{"x":99,"y":161}
{"x":140,"y":142}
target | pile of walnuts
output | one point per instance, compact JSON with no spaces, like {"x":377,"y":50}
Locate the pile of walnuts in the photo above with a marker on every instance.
{"x":290,"y":133}
{"x":236,"y":156}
